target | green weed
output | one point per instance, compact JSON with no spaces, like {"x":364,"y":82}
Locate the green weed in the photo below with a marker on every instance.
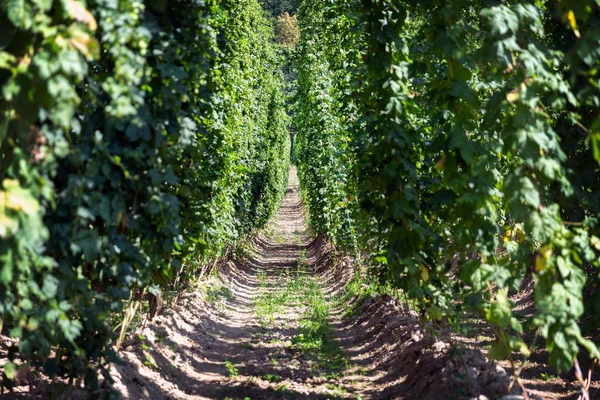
{"x":274,"y":296}
{"x":272,"y":378}
{"x":232,"y":371}
{"x":548,"y":377}
{"x":149,"y":362}
{"x":315,"y":338}
{"x":283,"y":387}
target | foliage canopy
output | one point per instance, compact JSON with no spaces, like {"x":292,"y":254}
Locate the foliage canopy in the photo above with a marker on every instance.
{"x":456,"y":143}
{"x":138,"y":140}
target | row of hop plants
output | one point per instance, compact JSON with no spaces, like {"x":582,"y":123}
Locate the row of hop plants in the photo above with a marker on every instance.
{"x":138,"y":140}
{"x":457,"y":145}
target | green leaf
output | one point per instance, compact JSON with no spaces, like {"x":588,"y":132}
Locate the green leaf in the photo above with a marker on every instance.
{"x":529,"y":193}
{"x":561,"y":359}
{"x":16,"y":332}
{"x":70,"y":329}
{"x":498,"y":352}
{"x":7,"y":61}
{"x":499,"y":311}
{"x":519,"y":345}
{"x":44,"y":5}
{"x":50,"y":286}
{"x":10,"y":370}
{"x":516,"y":325}
{"x":20,"y":13}
{"x":595,"y":139}
{"x":590,"y":346}
{"x":6,"y":265}
{"x":26,"y":304}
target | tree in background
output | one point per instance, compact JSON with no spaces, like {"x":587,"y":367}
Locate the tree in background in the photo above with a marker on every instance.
{"x":278,"y":7}
{"x":288,"y":32}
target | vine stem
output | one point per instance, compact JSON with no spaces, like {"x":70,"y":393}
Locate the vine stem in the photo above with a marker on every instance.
{"x":574,"y":223}
{"x":585,"y":384}
{"x":128,"y":318}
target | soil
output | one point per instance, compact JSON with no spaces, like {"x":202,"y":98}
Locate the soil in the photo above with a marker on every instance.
{"x":242,"y":335}
{"x":540,"y":379}
{"x":388,"y":353}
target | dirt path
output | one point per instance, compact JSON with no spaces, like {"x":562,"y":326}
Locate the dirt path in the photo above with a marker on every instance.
{"x":276,"y":323}
{"x":263,"y":329}
{"x":283,"y":319}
